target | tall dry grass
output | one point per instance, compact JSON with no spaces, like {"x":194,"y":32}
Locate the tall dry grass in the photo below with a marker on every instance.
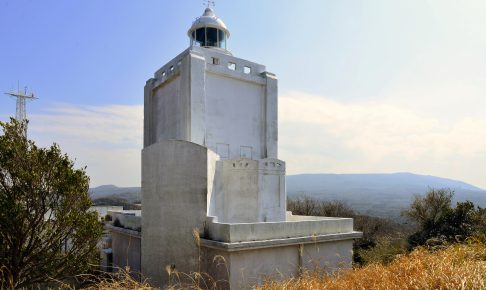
{"x":460,"y":266}
{"x":456,"y":267}
{"x":119,"y":280}
{"x":122,"y":279}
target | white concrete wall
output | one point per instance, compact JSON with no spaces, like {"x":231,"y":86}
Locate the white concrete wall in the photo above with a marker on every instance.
{"x":241,"y":232}
{"x":126,"y":249}
{"x":232,"y":112}
{"x":210,"y":148}
{"x":235,"y":114}
{"x":239,"y":191}
{"x":246,"y":268}
{"x":127,"y":219}
{"x":166,"y":102}
{"x":272,"y":188}
{"x":174,"y":200}
{"x":249,"y":191}
{"x":213,"y":183}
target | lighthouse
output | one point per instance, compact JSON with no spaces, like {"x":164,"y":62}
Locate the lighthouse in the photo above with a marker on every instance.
{"x":210,"y":97}
{"x":212,"y":183}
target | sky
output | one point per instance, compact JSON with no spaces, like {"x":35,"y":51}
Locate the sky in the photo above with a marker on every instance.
{"x":364,"y":86}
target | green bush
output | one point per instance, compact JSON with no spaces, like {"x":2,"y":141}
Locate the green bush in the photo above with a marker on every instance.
{"x":439,"y":222}
{"x":46,"y":229}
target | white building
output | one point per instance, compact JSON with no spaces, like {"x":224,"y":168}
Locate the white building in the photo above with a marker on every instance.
{"x":210,"y":163}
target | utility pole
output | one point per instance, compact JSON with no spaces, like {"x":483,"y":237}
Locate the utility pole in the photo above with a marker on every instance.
{"x":21,"y":113}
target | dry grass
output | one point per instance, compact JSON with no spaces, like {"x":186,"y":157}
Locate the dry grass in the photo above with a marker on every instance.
{"x":123,"y":279}
{"x":457,"y":267}
{"x":120,"y":280}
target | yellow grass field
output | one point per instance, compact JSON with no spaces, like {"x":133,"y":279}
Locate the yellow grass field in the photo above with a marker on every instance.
{"x":456,"y":267}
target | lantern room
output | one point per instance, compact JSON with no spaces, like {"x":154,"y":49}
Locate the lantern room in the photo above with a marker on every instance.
{"x":209,"y":30}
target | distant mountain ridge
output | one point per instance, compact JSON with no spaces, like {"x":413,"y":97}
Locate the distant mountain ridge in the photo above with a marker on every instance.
{"x":399,"y":181}
{"x":373,"y":194}
{"x":131,"y":194}
{"x":378,"y":194}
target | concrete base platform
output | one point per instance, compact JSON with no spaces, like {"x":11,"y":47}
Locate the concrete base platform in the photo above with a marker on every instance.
{"x":243,"y":265}
{"x":242,"y":255}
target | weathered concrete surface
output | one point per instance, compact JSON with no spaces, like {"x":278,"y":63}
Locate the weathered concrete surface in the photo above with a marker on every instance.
{"x":248,"y":191}
{"x":241,"y":232}
{"x":245,"y":268}
{"x":223,"y":178}
{"x":174,"y":199}
{"x":126,"y":249}
{"x":128,"y":219}
{"x":253,"y":252}
{"x":232,"y":112}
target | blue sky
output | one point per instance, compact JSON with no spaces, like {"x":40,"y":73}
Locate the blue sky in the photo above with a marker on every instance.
{"x":365,"y":86}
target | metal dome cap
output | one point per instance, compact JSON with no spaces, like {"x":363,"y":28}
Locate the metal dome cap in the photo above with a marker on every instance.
{"x":208,"y":19}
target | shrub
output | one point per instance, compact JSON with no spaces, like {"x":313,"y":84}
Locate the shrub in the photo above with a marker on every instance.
{"x":439,"y":222}
{"x":46,"y":229}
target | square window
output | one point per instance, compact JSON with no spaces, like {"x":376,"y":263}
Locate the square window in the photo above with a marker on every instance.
{"x":171,"y":68}
{"x":232,"y":65}
{"x":215,"y":60}
{"x":245,"y":151}
{"x":247,"y":70}
{"x":222,"y":150}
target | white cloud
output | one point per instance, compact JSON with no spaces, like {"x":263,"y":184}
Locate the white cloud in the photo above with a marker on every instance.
{"x":318,"y":134}
{"x":106,"y":139}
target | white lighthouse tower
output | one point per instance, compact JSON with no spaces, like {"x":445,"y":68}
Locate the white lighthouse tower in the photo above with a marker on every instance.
{"x":210,"y":164}
{"x":211,"y":98}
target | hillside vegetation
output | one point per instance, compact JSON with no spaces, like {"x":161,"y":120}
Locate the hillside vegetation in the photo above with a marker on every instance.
{"x":381,"y":195}
{"x":433,"y":220}
{"x":461,"y":266}
{"x":446,"y":249}
{"x":116,"y":201}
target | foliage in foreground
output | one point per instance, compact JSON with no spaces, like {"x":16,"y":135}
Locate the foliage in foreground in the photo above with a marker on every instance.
{"x":46,"y":231}
{"x":439,"y":222}
{"x":457,"y":267}
{"x":460,"y":266}
{"x":120,"y":280}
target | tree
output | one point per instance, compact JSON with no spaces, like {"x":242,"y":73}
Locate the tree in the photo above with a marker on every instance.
{"x":305,"y":205}
{"x":428,"y":211}
{"x":46,"y":230}
{"x":437,"y":219}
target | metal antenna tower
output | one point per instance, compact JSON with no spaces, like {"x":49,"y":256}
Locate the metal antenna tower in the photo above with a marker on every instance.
{"x":21,"y":113}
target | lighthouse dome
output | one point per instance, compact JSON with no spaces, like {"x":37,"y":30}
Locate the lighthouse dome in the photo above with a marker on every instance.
{"x":208,"y":30}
